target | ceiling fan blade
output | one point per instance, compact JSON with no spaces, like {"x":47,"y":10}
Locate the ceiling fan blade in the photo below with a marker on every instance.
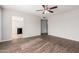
{"x":39,"y":10}
{"x":50,"y":11}
{"x":43,"y":6}
{"x":53,"y":7}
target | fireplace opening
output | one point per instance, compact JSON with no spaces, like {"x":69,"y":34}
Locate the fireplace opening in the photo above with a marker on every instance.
{"x":19,"y":30}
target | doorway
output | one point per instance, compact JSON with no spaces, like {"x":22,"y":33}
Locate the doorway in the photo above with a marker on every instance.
{"x":44,"y":27}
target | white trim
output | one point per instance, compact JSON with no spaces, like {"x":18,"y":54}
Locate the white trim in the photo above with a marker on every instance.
{"x":22,"y":37}
{"x":5,"y":40}
{"x":64,"y":37}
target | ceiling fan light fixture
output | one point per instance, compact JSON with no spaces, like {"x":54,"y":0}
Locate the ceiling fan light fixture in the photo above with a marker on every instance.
{"x":46,"y":12}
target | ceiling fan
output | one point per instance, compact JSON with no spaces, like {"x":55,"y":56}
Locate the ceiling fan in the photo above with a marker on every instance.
{"x":47,"y":9}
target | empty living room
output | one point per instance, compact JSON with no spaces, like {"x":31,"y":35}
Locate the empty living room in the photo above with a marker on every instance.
{"x":39,"y":29}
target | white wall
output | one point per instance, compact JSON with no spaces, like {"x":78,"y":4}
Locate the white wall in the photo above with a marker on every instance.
{"x":0,"y":24}
{"x":31,"y":24}
{"x":65,"y":25}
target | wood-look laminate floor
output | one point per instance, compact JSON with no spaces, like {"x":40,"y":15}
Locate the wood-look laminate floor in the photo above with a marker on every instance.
{"x":40,"y":44}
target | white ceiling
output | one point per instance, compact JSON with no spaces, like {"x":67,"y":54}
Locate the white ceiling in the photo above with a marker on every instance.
{"x":32,"y":8}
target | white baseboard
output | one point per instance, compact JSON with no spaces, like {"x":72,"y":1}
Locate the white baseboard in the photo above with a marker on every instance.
{"x":74,"y":39}
{"x":5,"y":40}
{"x":22,"y":37}
{"x":31,"y":36}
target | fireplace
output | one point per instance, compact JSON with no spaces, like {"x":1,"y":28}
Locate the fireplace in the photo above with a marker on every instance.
{"x":19,"y":30}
